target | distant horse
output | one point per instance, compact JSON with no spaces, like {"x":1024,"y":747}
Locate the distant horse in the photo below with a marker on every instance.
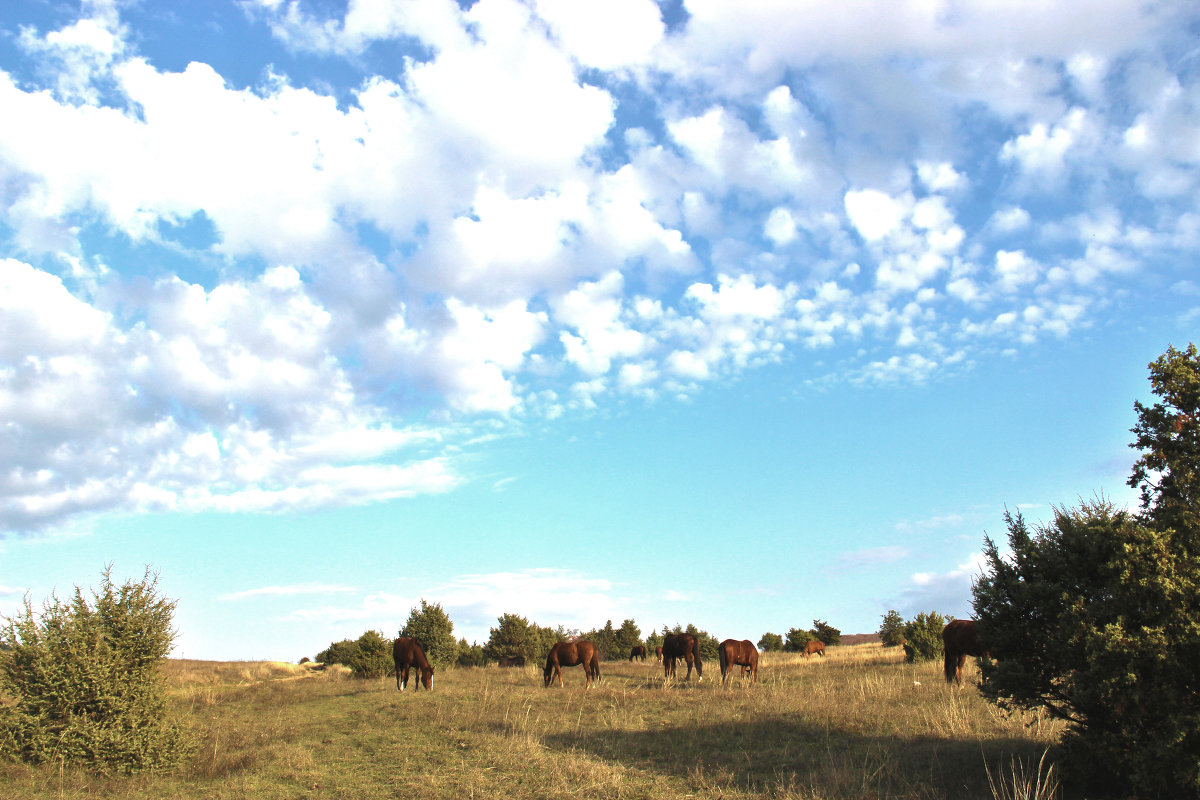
{"x":814,"y":646}
{"x":658,"y":652}
{"x":512,"y":661}
{"x":573,"y":654}
{"x":637,"y":652}
{"x":741,"y":654}
{"x":685,"y":646}
{"x":407,"y":652}
{"x":960,"y":638}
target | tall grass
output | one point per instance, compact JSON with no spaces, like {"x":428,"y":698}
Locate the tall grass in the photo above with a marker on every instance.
{"x":856,"y":724}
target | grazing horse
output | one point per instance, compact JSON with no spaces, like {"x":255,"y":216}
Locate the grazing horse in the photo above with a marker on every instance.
{"x":658,"y":652}
{"x":407,"y":652}
{"x":512,"y":661}
{"x":741,"y":654}
{"x":814,"y":646}
{"x":960,"y":638}
{"x":637,"y":652}
{"x":685,"y":646}
{"x":573,"y":654}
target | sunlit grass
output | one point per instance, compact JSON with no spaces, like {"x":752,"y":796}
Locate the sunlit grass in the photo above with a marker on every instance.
{"x":856,"y":724}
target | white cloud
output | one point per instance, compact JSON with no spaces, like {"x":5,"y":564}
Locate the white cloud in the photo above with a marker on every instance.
{"x":605,"y":34}
{"x":290,"y":590}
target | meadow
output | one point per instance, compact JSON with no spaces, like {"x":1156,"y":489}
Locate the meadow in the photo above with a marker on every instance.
{"x":857,"y":724}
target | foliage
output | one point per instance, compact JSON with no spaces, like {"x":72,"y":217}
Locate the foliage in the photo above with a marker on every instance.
{"x":368,"y":656}
{"x":823,"y":631}
{"x":923,"y":637}
{"x":629,"y":636}
{"x":470,"y":655}
{"x":84,"y":680}
{"x":707,"y":642}
{"x":615,"y":643}
{"x":770,"y":643}
{"x":653,"y":640}
{"x":431,"y":626}
{"x":516,"y":636}
{"x":512,"y":636}
{"x":891,"y":630}
{"x":796,"y":639}
{"x":1095,"y":616}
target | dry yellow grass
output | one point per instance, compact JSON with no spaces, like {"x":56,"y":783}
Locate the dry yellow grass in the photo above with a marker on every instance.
{"x":856,"y":724}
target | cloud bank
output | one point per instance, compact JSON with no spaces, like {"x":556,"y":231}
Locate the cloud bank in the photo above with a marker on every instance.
{"x":310,"y":290}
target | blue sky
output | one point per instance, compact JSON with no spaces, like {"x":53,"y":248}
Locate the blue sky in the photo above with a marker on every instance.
{"x":734,"y":314}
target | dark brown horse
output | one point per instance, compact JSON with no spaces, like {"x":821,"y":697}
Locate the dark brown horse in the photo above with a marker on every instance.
{"x":742,"y":654}
{"x":658,"y":652}
{"x":814,"y":646}
{"x":406,"y":653}
{"x":685,"y":646}
{"x":637,"y":652}
{"x":573,"y":654}
{"x":512,"y":661}
{"x":960,"y":638}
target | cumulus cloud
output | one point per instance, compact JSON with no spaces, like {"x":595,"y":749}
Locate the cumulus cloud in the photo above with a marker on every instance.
{"x":321,"y":285}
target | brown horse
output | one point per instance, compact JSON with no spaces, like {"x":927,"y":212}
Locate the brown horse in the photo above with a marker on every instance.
{"x":512,"y":661}
{"x":407,"y":652}
{"x":658,"y":652}
{"x":741,"y":654}
{"x":814,"y":646}
{"x":573,"y":654}
{"x":685,"y":646}
{"x":637,"y":652}
{"x":960,"y":638}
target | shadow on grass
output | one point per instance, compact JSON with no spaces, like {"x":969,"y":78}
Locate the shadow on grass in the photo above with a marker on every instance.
{"x":787,"y":753}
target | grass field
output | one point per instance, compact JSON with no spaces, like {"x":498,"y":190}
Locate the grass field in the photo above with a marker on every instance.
{"x":857,"y":724}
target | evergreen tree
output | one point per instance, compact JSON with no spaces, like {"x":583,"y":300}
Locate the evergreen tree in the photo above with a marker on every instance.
{"x":1095,"y":616}
{"x":431,"y":626}
{"x":82,"y":681}
{"x":512,"y":636}
{"x":629,"y":636}
{"x":770,"y":643}
{"x":796,"y":639}
{"x":922,"y":636}
{"x":824,"y":632}
{"x":891,"y":631}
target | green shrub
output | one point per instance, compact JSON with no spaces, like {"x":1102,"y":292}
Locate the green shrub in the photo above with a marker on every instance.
{"x":85,"y":681}
{"x":824,"y":632}
{"x":470,"y":655}
{"x":770,"y":643}
{"x":923,"y":637}
{"x":891,"y":630}
{"x":368,"y":656}
{"x":431,"y":626}
{"x":1095,"y":617}
{"x":796,"y":639}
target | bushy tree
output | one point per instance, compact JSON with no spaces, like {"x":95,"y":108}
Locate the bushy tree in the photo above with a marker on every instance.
{"x":770,"y":643}
{"x":824,"y":632}
{"x":923,"y":637}
{"x":629,"y":636}
{"x":796,"y":639}
{"x":470,"y":655}
{"x":431,"y":626}
{"x":605,"y":640}
{"x":1095,"y":616}
{"x":84,"y":684}
{"x":891,"y":630}
{"x":707,"y":642}
{"x":368,"y":656}
{"x":512,"y":636}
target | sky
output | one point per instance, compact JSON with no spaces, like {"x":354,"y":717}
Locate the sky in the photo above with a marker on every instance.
{"x":740,"y":315}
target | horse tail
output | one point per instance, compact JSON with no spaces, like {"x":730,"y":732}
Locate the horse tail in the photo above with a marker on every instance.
{"x":596,"y":665}
{"x":723,"y":659}
{"x":950,"y":668}
{"x":696,"y":657}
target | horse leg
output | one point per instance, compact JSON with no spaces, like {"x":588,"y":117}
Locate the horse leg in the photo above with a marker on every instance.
{"x":402,"y":677}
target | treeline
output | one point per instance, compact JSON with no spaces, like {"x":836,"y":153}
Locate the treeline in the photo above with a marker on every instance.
{"x":516,"y":637}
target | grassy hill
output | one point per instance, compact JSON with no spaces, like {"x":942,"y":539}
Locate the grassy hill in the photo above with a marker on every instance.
{"x":856,"y":724}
